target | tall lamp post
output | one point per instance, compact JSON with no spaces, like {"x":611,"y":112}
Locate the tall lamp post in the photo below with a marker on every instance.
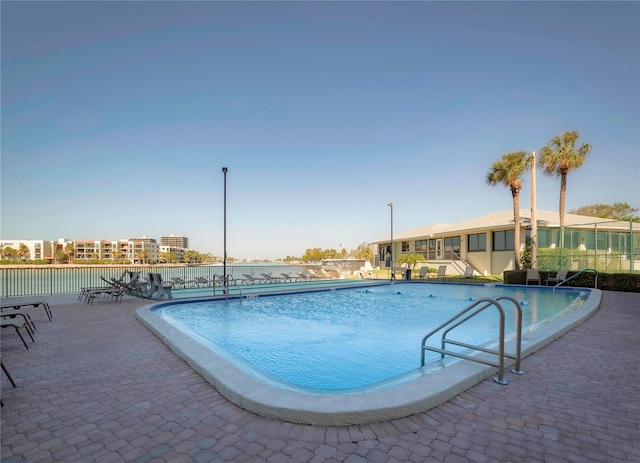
{"x":393,"y":276}
{"x":534,"y":220}
{"x":224,"y":248}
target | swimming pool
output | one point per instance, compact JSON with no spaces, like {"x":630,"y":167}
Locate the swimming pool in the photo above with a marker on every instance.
{"x":339,"y":351}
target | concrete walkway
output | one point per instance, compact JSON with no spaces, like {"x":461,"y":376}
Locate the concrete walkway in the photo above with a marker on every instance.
{"x":98,"y":386}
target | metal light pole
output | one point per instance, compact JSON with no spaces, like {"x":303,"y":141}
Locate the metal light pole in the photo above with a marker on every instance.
{"x":224,"y":257}
{"x":534,"y":220}
{"x":393,"y":276}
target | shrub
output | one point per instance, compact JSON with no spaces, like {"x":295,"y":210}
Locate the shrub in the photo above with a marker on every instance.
{"x":627,"y":282}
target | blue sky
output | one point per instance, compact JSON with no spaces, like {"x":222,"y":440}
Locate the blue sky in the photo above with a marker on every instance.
{"x":117,"y":117}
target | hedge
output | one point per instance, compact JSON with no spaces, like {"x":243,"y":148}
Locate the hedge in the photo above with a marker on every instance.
{"x":627,"y":282}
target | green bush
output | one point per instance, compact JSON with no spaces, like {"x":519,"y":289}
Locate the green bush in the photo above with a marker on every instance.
{"x":627,"y":282}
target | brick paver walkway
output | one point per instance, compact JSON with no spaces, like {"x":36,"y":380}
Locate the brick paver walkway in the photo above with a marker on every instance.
{"x":98,"y":386}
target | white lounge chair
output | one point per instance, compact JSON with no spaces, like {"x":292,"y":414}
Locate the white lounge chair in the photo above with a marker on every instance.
{"x":533,"y":275}
{"x":424,"y":272}
{"x":442,"y":273}
{"x":561,"y":275}
{"x":469,"y":273}
{"x":158,"y":287}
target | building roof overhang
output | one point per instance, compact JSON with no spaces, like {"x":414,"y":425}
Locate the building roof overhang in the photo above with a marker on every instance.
{"x":504,"y":220}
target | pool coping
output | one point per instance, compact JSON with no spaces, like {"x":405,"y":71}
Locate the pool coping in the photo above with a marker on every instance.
{"x":368,"y":406}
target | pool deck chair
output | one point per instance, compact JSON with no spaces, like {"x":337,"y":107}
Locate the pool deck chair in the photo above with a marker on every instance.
{"x":20,"y":302}
{"x":424,"y":272}
{"x":269,"y":278}
{"x":561,"y":275}
{"x":288,"y":277}
{"x":5,"y":314}
{"x":442,"y":273}
{"x":158,"y":287}
{"x":468,"y":273}
{"x":16,"y":324}
{"x":8,"y":375}
{"x":6,"y":372}
{"x":533,"y":275}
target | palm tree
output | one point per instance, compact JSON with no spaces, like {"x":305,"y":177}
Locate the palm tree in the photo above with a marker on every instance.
{"x":559,"y":157}
{"x":23,"y":251}
{"x":69,"y":249}
{"x":508,"y":170}
{"x":411,"y":259}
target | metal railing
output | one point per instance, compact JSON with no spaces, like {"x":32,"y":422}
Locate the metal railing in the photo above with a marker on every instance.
{"x":480,"y":306}
{"x":572,"y":277}
{"x":226,"y":286}
{"x":36,"y":281}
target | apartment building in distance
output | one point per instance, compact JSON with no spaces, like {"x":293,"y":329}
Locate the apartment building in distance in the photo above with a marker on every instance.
{"x":136,"y":250}
{"x":173,"y":241}
{"x":37,"y":249}
{"x":176,"y":245}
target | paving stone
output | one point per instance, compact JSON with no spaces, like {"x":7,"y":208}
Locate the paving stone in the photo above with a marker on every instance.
{"x":85,"y":395}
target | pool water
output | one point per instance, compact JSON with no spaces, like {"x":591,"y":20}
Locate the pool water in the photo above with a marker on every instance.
{"x":352,"y":338}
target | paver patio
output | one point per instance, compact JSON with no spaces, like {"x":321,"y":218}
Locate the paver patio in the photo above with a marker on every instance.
{"x":98,"y":386}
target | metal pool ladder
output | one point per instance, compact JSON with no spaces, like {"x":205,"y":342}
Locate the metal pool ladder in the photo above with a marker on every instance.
{"x":472,"y":310}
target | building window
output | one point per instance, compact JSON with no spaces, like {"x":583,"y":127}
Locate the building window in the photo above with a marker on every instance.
{"x":421,"y":245}
{"x":405,"y":246}
{"x":503,"y":240}
{"x":452,"y":247}
{"x":477,"y":242}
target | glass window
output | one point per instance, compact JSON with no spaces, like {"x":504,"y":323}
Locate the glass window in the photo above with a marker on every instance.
{"x":421,"y":245}
{"x":477,"y":242}
{"x":452,"y":243}
{"x":503,"y":240}
{"x":405,"y":246}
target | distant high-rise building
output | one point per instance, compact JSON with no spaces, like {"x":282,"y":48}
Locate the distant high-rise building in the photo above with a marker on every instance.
{"x":174,"y":241}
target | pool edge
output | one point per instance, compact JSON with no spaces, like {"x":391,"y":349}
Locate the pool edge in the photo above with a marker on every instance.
{"x":406,"y":399}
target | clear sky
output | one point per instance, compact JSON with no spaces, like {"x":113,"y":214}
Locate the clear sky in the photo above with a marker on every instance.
{"x":117,"y":117}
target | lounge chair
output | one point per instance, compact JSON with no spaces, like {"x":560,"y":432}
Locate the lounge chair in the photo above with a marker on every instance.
{"x":307,"y":276}
{"x":182,"y":283}
{"x":250,"y":279}
{"x":6,"y":372}
{"x":218,"y":280}
{"x":112,"y":289}
{"x":158,"y":287}
{"x":442,"y":273}
{"x":16,"y":324}
{"x":288,"y":277}
{"x":136,"y":288}
{"x":269,"y":278}
{"x":19,"y":303}
{"x":532,"y":275}
{"x":469,"y":273}
{"x":90,"y":291}
{"x":560,"y":276}
{"x":202,"y":281}
{"x":424,"y":272}
{"x":6,"y":314}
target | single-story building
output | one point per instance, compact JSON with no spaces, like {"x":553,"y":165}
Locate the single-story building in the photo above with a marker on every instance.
{"x":487,"y":243}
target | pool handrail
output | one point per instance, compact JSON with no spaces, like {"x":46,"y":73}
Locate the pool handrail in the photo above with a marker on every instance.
{"x":480,"y":305}
{"x":226,"y":284}
{"x":578,"y":274}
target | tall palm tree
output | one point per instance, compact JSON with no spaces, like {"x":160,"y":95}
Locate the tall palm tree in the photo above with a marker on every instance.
{"x":69,"y":249}
{"x":508,"y":171}
{"x":559,"y":157}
